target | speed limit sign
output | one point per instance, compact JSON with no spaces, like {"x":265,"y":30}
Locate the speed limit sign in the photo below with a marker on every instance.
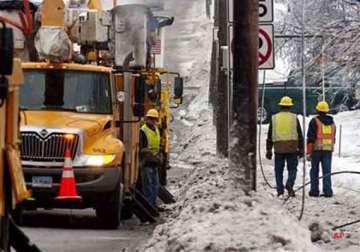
{"x":266,"y":11}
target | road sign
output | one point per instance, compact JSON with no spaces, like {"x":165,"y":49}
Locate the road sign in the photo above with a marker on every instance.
{"x":266,"y":11}
{"x":266,"y":46}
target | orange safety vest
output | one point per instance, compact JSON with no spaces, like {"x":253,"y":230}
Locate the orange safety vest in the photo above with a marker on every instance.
{"x":325,"y":136}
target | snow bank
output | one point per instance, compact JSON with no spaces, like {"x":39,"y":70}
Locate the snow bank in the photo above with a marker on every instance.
{"x":213,"y":214}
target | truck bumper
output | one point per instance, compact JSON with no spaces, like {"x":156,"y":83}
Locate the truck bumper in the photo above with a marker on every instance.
{"x":94,"y":185}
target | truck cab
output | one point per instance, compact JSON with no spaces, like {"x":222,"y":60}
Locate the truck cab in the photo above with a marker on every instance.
{"x":72,"y":107}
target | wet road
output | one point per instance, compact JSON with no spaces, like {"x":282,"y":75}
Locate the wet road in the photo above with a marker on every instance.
{"x":78,"y":230}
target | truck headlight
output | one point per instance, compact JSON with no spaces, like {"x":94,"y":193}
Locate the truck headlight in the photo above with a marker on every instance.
{"x":99,"y":160}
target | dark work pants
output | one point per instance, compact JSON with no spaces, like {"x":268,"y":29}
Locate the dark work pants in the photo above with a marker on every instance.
{"x":323,"y":157}
{"x":291,"y":160}
{"x":150,"y":182}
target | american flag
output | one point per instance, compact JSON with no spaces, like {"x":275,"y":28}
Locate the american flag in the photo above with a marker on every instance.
{"x":156,"y":48}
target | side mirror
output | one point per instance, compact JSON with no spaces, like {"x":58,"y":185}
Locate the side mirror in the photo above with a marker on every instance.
{"x":178,"y":89}
{"x":139,"y":89}
{"x":6,"y":50}
{"x":154,"y":93}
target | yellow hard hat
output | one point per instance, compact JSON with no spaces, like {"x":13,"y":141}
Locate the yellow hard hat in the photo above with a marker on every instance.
{"x":322,"y":106}
{"x":286,"y":101}
{"x":152,"y":113}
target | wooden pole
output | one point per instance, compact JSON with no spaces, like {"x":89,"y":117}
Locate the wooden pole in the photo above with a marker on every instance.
{"x":214,"y":57}
{"x":222,"y":112}
{"x":214,"y":62}
{"x":244,"y":102}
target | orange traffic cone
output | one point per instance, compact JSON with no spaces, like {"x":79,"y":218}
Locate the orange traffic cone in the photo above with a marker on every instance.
{"x":67,"y":186}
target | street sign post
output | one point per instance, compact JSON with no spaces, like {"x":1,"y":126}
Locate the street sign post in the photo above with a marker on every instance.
{"x":266,"y":46}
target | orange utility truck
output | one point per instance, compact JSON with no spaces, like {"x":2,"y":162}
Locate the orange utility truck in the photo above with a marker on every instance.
{"x":92,"y":103}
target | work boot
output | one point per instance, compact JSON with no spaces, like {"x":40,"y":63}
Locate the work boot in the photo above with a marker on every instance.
{"x":290,"y":191}
{"x":279,"y":194}
{"x":313,"y":194}
{"x":326,"y":195}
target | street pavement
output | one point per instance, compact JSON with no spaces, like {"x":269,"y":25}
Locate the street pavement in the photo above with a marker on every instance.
{"x":78,"y":230}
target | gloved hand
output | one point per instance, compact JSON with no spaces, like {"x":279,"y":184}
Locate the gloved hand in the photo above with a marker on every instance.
{"x":308,"y":157}
{"x":268,"y":155}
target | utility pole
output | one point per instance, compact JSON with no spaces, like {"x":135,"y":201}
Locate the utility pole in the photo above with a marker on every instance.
{"x":222,"y":126}
{"x":244,"y":102}
{"x":214,"y":59}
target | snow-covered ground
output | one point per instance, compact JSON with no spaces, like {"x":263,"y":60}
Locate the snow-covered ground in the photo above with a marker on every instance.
{"x":212,"y":213}
{"x":343,"y":207}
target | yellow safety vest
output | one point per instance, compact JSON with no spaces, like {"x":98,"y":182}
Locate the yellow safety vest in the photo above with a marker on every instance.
{"x":153,"y":138}
{"x":284,"y":127}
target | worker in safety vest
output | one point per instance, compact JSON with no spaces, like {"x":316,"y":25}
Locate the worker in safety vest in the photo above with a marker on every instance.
{"x":286,"y":137}
{"x":320,"y":145}
{"x":149,"y":156}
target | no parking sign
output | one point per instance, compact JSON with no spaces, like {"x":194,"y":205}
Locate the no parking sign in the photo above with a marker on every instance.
{"x":266,"y":46}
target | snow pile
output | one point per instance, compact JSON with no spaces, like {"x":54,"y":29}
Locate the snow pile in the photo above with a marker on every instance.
{"x":188,"y":49}
{"x":213,"y":214}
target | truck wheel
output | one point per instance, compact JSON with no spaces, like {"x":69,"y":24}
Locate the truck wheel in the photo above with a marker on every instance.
{"x":126,"y":211}
{"x":109,"y":213}
{"x":18,"y":215}
{"x":263,"y":115}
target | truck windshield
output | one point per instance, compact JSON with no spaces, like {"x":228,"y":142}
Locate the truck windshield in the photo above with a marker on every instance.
{"x":77,"y":91}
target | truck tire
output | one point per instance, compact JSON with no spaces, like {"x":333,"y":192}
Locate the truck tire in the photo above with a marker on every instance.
{"x":126,"y":211}
{"x":18,"y":215}
{"x":109,"y":213}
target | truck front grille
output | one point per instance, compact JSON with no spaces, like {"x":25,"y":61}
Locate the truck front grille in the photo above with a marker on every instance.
{"x":51,"y":148}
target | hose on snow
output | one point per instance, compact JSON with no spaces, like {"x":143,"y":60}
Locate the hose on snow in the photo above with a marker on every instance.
{"x":259,"y":136}
{"x":324,"y":176}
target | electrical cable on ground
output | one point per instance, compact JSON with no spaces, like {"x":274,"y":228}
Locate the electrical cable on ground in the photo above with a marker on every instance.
{"x":346,"y":224}
{"x":259,"y":136}
{"x":326,"y":175}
